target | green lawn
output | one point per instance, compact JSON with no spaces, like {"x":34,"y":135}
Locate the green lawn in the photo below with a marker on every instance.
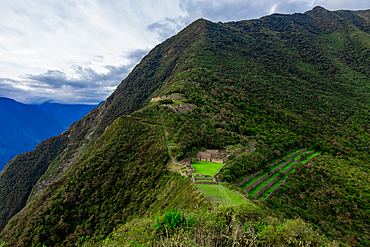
{"x":289,"y":165}
{"x":313,"y":155}
{"x":251,"y":181}
{"x":298,"y":156}
{"x":267,"y":192}
{"x":218,"y":193}
{"x":207,"y":168}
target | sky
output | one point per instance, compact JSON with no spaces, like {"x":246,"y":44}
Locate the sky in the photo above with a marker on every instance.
{"x":77,"y":52}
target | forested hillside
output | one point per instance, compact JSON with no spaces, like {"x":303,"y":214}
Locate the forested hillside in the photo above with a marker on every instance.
{"x":287,"y":81}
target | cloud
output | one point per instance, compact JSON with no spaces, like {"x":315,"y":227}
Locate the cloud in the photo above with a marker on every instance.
{"x":167,"y":27}
{"x":235,"y":10}
{"x":83,"y":85}
{"x":70,"y":50}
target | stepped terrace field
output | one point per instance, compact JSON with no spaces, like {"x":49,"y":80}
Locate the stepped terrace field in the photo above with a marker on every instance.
{"x":264,"y":183}
{"x":284,"y":178}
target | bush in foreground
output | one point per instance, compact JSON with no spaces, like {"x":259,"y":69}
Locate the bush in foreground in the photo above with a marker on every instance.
{"x":239,"y":225}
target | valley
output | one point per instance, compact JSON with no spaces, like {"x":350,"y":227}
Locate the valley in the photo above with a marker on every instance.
{"x":248,"y":133}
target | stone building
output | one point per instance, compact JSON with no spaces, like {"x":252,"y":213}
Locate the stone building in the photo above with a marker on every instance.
{"x":213,"y":156}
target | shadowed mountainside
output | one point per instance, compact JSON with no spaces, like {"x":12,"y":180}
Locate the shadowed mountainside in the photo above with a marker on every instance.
{"x":22,"y":127}
{"x":287,"y":81}
{"x":68,"y":113}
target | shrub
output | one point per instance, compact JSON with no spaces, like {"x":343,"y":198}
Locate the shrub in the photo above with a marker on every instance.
{"x":173,"y":220}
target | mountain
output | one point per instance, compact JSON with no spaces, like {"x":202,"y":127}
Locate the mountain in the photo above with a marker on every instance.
{"x":68,"y":113}
{"x":22,"y":127}
{"x":281,"y":83}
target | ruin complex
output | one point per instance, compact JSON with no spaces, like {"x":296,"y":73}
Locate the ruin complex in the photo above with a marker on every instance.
{"x":213,"y":156}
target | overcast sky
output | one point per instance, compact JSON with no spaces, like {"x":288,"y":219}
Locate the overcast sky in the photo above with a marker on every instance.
{"x":79,"y":51}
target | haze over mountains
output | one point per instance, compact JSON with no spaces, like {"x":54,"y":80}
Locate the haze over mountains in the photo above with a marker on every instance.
{"x":23,"y":126}
{"x":68,"y":113}
{"x":287,"y":82}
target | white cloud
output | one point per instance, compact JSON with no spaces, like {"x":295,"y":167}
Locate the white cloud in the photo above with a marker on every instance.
{"x":79,"y":51}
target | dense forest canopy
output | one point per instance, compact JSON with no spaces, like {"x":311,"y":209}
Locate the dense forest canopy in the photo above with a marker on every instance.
{"x":287,"y":81}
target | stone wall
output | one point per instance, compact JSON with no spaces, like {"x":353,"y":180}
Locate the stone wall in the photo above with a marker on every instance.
{"x":213,"y":152}
{"x":252,"y":186}
{"x":266,"y":187}
{"x":294,"y":155}
{"x":180,"y":108}
{"x":204,"y":182}
{"x":281,"y":166}
{"x":217,"y":160}
{"x":277,"y":162}
{"x":190,"y":168}
{"x":212,"y":156}
{"x":248,"y":178}
{"x":166,"y":97}
{"x":278,"y":187}
{"x":183,"y":173}
{"x":200,"y":178}
{"x":307,"y":155}
{"x":290,"y":168}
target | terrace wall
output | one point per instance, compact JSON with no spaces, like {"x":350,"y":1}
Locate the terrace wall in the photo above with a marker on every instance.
{"x":248,"y":178}
{"x":278,"y":187}
{"x":292,"y":166}
{"x":252,"y":186}
{"x":204,"y":182}
{"x":281,"y":166}
{"x":294,"y":155}
{"x":261,"y":191}
{"x":183,"y":173}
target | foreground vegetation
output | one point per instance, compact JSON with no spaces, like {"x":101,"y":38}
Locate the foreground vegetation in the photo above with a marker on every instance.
{"x":244,"y":224}
{"x":286,"y":81}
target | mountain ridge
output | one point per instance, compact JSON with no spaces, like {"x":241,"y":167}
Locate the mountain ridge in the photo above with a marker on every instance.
{"x":67,"y":112}
{"x":285,"y":80}
{"x":23,"y":127}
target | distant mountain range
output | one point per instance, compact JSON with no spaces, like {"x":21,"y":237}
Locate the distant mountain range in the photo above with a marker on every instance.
{"x":68,"y":113}
{"x":23,"y":126}
{"x":270,"y":86}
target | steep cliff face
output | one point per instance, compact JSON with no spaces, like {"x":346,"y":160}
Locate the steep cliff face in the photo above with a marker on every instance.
{"x":285,"y":80}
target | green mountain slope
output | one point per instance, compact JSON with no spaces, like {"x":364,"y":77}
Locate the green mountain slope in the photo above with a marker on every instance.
{"x":287,"y":81}
{"x":153,"y":70}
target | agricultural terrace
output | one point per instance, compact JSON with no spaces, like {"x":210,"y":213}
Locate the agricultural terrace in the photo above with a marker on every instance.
{"x":265,"y":183}
{"x":207,"y":168}
{"x":276,"y":184}
{"x":217,"y":193}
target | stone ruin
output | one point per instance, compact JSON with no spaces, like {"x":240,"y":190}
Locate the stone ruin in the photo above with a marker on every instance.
{"x":209,"y":155}
{"x":173,"y":96}
{"x":213,"y":156}
{"x":182,"y":107}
